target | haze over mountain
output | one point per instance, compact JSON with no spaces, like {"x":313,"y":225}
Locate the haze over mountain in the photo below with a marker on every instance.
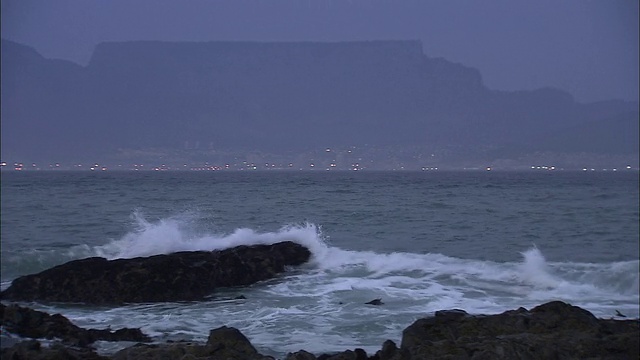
{"x":197,"y":100}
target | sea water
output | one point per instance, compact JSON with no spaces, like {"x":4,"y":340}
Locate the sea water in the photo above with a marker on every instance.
{"x":481,"y":241}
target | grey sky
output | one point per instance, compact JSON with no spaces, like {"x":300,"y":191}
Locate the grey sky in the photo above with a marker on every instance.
{"x":589,"y":48}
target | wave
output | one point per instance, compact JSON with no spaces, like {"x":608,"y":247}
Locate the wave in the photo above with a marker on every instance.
{"x":326,"y":297}
{"x":445,"y":281}
{"x":177,"y":233}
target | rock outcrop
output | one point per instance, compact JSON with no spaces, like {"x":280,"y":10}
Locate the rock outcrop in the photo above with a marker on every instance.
{"x":555,"y":330}
{"x":33,"y":350}
{"x":181,"y":276}
{"x":223,"y":343}
{"x":40,"y":325}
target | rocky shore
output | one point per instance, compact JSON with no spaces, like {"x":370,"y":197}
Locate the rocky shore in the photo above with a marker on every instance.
{"x":555,"y":330}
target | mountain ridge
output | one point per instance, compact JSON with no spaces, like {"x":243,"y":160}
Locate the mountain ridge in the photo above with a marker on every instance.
{"x":276,"y":97}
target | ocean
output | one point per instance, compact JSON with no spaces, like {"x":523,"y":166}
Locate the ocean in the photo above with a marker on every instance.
{"x":481,"y":241}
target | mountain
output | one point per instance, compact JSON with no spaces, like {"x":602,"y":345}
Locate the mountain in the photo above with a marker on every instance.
{"x":281,"y":98}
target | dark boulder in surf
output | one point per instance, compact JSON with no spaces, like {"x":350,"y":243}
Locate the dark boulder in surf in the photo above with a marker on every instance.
{"x":375,"y":302}
{"x":181,"y":276}
{"x":36,"y":324}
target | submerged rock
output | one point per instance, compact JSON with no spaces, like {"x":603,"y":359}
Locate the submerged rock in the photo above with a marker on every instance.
{"x":181,"y":276}
{"x":375,"y":302}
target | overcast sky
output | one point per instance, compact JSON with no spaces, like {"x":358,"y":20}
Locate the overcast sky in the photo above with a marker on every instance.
{"x":588,"y":48}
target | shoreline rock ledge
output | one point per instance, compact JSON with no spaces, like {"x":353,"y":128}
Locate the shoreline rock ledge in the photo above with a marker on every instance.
{"x":180,"y":276}
{"x":555,"y":330}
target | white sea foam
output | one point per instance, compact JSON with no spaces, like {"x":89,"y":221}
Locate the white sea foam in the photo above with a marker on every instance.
{"x":399,"y":275}
{"x":174,"y":234}
{"x":327,"y":297}
{"x":535,"y":271}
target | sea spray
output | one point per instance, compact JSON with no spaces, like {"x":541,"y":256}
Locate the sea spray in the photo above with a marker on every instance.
{"x":534,"y":270}
{"x":177,"y":233}
{"x":328,"y":297}
{"x":400,"y":276}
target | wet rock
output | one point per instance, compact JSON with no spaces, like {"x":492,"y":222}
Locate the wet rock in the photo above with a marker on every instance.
{"x":223,"y":343}
{"x":232,"y":343}
{"x":174,"y":277}
{"x":375,"y":302}
{"x":555,"y":330}
{"x":389,"y":351}
{"x":35,"y":324}
{"x":357,"y":354}
{"x":33,"y":350}
{"x":300,"y":355}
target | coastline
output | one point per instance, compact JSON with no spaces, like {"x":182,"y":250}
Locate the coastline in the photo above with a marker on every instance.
{"x":551,"y":330}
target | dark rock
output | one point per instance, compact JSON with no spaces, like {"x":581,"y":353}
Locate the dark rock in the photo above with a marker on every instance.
{"x":33,"y":350}
{"x":357,"y":354}
{"x":360,"y":354}
{"x":375,"y":302}
{"x":232,"y":342}
{"x":172,"y":351}
{"x":555,"y":330}
{"x":35,"y":324}
{"x":300,"y":355}
{"x":173,"y":277}
{"x":389,"y":351}
{"x":223,"y":343}
{"x":349,"y":355}
{"x":451,"y":314}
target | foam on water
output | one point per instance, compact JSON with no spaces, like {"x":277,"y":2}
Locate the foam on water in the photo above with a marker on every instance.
{"x":534,"y":270}
{"x":447,"y":282}
{"x":176,"y":234}
{"x":326,"y":298}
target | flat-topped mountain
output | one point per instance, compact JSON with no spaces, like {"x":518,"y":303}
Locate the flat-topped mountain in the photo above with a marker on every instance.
{"x":283,"y":97}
